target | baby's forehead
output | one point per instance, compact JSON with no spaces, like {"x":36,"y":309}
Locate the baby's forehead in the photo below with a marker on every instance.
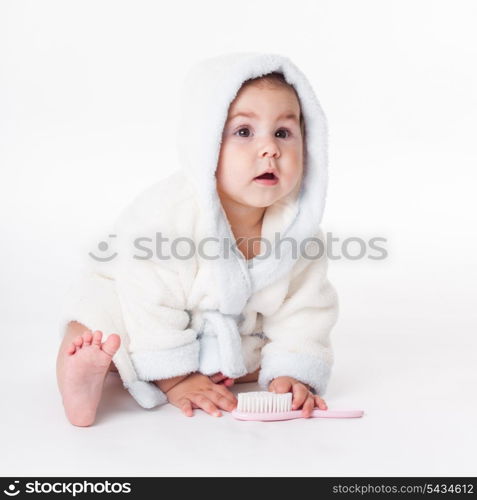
{"x":286,"y":115}
{"x":252,"y":104}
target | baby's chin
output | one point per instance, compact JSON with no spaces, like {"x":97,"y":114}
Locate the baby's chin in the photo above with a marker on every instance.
{"x":254,"y":196}
{"x":260,"y":200}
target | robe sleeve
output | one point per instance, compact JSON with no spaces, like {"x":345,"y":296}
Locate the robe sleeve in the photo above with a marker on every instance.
{"x":299,"y":343}
{"x":162,"y":344}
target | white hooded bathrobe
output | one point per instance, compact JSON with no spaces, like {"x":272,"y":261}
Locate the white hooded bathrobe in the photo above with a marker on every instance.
{"x":194,"y":303}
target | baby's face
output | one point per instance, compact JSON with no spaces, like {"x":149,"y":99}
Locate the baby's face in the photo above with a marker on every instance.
{"x":262,"y":132}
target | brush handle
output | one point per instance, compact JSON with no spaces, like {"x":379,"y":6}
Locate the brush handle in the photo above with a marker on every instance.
{"x":288,"y":415}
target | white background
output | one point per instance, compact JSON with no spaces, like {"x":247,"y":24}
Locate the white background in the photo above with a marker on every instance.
{"x":88,"y":107}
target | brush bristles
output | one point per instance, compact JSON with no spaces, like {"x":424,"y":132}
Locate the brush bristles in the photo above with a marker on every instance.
{"x":264,"y":402}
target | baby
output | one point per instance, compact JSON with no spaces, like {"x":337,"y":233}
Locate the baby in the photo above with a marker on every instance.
{"x":240,"y":318}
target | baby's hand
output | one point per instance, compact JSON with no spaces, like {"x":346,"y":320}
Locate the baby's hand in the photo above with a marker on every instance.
{"x":198,"y":391}
{"x":302,"y":396}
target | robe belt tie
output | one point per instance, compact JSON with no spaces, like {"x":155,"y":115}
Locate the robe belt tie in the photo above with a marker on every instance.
{"x":225,"y":327}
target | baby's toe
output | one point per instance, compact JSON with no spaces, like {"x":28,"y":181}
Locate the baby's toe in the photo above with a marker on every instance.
{"x":87,"y":337}
{"x":97,"y":336}
{"x":78,"y":341}
{"x":112,"y":344}
{"x":71,"y":348}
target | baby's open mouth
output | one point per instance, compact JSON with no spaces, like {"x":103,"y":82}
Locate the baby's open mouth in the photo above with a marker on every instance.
{"x":268,"y":175}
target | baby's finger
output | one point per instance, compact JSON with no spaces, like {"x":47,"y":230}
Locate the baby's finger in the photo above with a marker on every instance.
{"x":230,"y":396}
{"x":320,"y":403}
{"x":308,"y":406}
{"x":300,"y":393}
{"x":280,"y":386}
{"x":221,"y":401}
{"x":229,"y":382}
{"x":217,"y":377}
{"x":186,"y":408}
{"x":207,"y":405}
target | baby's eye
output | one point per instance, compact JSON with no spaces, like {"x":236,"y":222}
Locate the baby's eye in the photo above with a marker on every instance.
{"x":243,"y":129}
{"x":287,"y":133}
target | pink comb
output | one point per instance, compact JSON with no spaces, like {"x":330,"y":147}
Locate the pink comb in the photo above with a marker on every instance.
{"x":266,"y":406}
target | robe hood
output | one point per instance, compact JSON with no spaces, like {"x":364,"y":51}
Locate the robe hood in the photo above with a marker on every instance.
{"x":207,"y":93}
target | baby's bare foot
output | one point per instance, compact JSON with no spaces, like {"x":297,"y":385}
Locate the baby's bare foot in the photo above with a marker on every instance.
{"x":85,"y":367}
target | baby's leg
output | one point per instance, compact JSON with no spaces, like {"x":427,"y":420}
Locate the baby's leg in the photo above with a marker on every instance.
{"x":81,"y":367}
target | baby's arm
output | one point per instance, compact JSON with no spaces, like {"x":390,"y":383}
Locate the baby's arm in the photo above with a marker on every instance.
{"x":163,"y":347}
{"x":299,"y":331}
{"x":162,"y":344}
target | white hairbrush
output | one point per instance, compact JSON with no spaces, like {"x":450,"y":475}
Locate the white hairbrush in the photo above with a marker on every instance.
{"x":269,"y":406}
